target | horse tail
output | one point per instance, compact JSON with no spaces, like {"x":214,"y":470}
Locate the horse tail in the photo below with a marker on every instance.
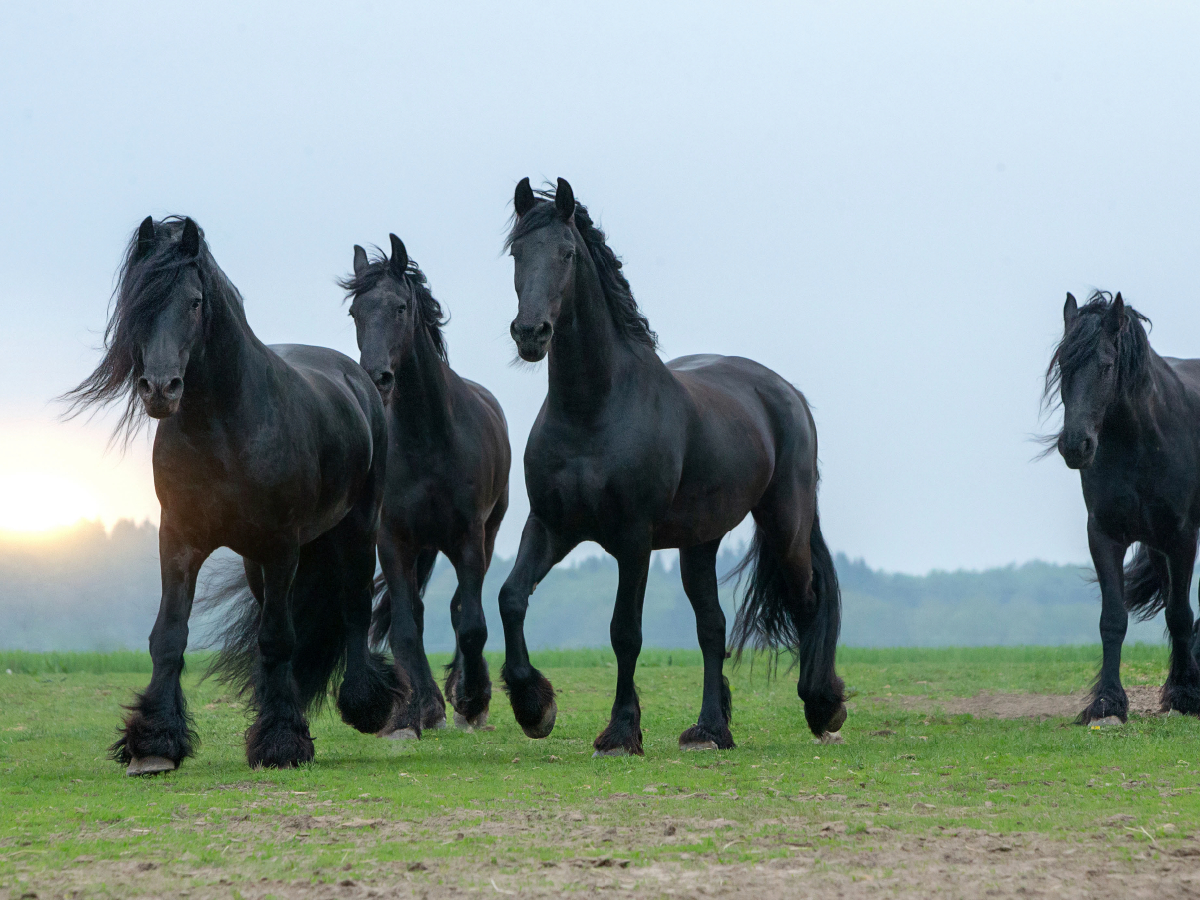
{"x":319,"y":654}
{"x":381,"y":618}
{"x":772,"y":616}
{"x":1145,"y":594}
{"x":227,"y":598}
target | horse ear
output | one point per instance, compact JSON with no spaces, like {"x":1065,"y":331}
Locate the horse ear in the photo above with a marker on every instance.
{"x":399,"y":261}
{"x":145,"y":237}
{"x":1116,"y":314}
{"x":360,"y":260}
{"x":190,"y":242}
{"x":1070,"y":309}
{"x":564,"y":200}
{"x":523,"y":199}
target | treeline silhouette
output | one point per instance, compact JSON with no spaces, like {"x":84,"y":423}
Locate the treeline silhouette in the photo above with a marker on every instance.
{"x":89,"y":589}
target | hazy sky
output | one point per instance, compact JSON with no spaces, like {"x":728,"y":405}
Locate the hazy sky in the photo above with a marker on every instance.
{"x":884,"y":202}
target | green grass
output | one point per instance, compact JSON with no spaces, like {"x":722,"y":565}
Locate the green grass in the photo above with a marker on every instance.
{"x":368,"y":805}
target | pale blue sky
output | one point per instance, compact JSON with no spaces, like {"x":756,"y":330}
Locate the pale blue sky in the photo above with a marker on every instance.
{"x":884,"y":202}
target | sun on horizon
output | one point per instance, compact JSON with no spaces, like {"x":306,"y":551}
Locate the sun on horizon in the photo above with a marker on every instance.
{"x":35,"y":502}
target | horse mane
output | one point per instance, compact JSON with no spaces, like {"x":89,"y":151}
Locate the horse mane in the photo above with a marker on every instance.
{"x":143,"y":285}
{"x":428,"y":309}
{"x":1080,"y":342}
{"x":629,"y":319}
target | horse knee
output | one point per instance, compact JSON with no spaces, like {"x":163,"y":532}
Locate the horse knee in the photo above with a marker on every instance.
{"x":472,"y":637}
{"x":512,"y":603}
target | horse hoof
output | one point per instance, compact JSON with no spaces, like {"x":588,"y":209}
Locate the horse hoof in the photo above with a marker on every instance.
{"x":546,"y":725}
{"x":1173,"y":712}
{"x":698,"y":745}
{"x":830,"y":737}
{"x":1106,"y":722}
{"x":479,"y":723}
{"x":150,"y":765}
{"x":400,"y":734}
{"x":615,"y":751}
{"x":435,"y":726}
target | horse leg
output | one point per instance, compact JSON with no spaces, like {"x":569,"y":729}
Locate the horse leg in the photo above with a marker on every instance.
{"x":623,"y":735}
{"x":1182,"y":688}
{"x":454,"y":671}
{"x":698,"y":568}
{"x":371,"y":687}
{"x":471,"y":692}
{"x":279,"y":737}
{"x":529,"y":692}
{"x":157,"y":734}
{"x":1108,"y":703}
{"x":406,"y":571}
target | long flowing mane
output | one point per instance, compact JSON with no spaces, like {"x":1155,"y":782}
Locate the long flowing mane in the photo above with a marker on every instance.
{"x":628,"y":318}
{"x":429,"y":313}
{"x":1080,"y":342}
{"x":144,"y":284}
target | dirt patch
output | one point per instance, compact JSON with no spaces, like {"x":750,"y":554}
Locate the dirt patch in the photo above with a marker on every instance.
{"x":801,"y":862}
{"x":1144,"y":700}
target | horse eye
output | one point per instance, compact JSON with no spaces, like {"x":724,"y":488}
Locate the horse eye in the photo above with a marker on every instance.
{"x":196,"y":303}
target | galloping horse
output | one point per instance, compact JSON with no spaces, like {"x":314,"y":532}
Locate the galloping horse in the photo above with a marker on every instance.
{"x":276,"y":452}
{"x":1131,"y":426}
{"x":636,"y":455}
{"x":447,"y":485}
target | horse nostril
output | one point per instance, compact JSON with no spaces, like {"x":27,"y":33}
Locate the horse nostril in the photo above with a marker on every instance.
{"x":544,"y":329}
{"x":512,"y":330}
{"x":1085,"y":446}
{"x":173,"y":389}
{"x":143,"y":387}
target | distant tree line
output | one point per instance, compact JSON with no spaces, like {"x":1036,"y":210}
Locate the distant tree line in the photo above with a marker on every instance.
{"x":89,"y":589}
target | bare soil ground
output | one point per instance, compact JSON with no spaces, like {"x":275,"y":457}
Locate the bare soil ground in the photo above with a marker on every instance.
{"x":818,"y":861}
{"x":1144,"y":700}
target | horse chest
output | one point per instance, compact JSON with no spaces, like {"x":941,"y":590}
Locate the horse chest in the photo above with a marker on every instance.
{"x":598,"y":488}
{"x":227,"y":490}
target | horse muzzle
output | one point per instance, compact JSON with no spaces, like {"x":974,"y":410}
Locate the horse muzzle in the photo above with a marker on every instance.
{"x":160,"y":396}
{"x":1077,"y":452}
{"x":533,"y":341}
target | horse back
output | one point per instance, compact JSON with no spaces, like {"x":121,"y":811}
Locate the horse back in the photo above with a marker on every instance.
{"x":339,"y":393}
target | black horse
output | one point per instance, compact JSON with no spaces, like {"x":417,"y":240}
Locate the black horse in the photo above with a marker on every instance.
{"x":1131,"y":425}
{"x":636,"y":455}
{"x":276,"y":452}
{"x":447,"y":487}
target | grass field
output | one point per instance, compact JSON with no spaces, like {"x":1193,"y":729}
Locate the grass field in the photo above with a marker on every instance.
{"x":930,"y":792}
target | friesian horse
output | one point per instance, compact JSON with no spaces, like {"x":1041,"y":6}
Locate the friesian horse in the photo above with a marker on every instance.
{"x":276,"y":452}
{"x":637,"y":455}
{"x":1131,"y":426}
{"x":447,"y":485}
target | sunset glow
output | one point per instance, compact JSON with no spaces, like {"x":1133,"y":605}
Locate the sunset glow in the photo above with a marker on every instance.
{"x":53,"y":475}
{"x":37,"y":501}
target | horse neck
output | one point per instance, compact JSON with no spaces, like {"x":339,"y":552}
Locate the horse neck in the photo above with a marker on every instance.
{"x":420,"y":399}
{"x":586,"y":351}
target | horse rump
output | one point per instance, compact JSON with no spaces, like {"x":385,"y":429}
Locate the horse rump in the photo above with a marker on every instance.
{"x":773,"y":616}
